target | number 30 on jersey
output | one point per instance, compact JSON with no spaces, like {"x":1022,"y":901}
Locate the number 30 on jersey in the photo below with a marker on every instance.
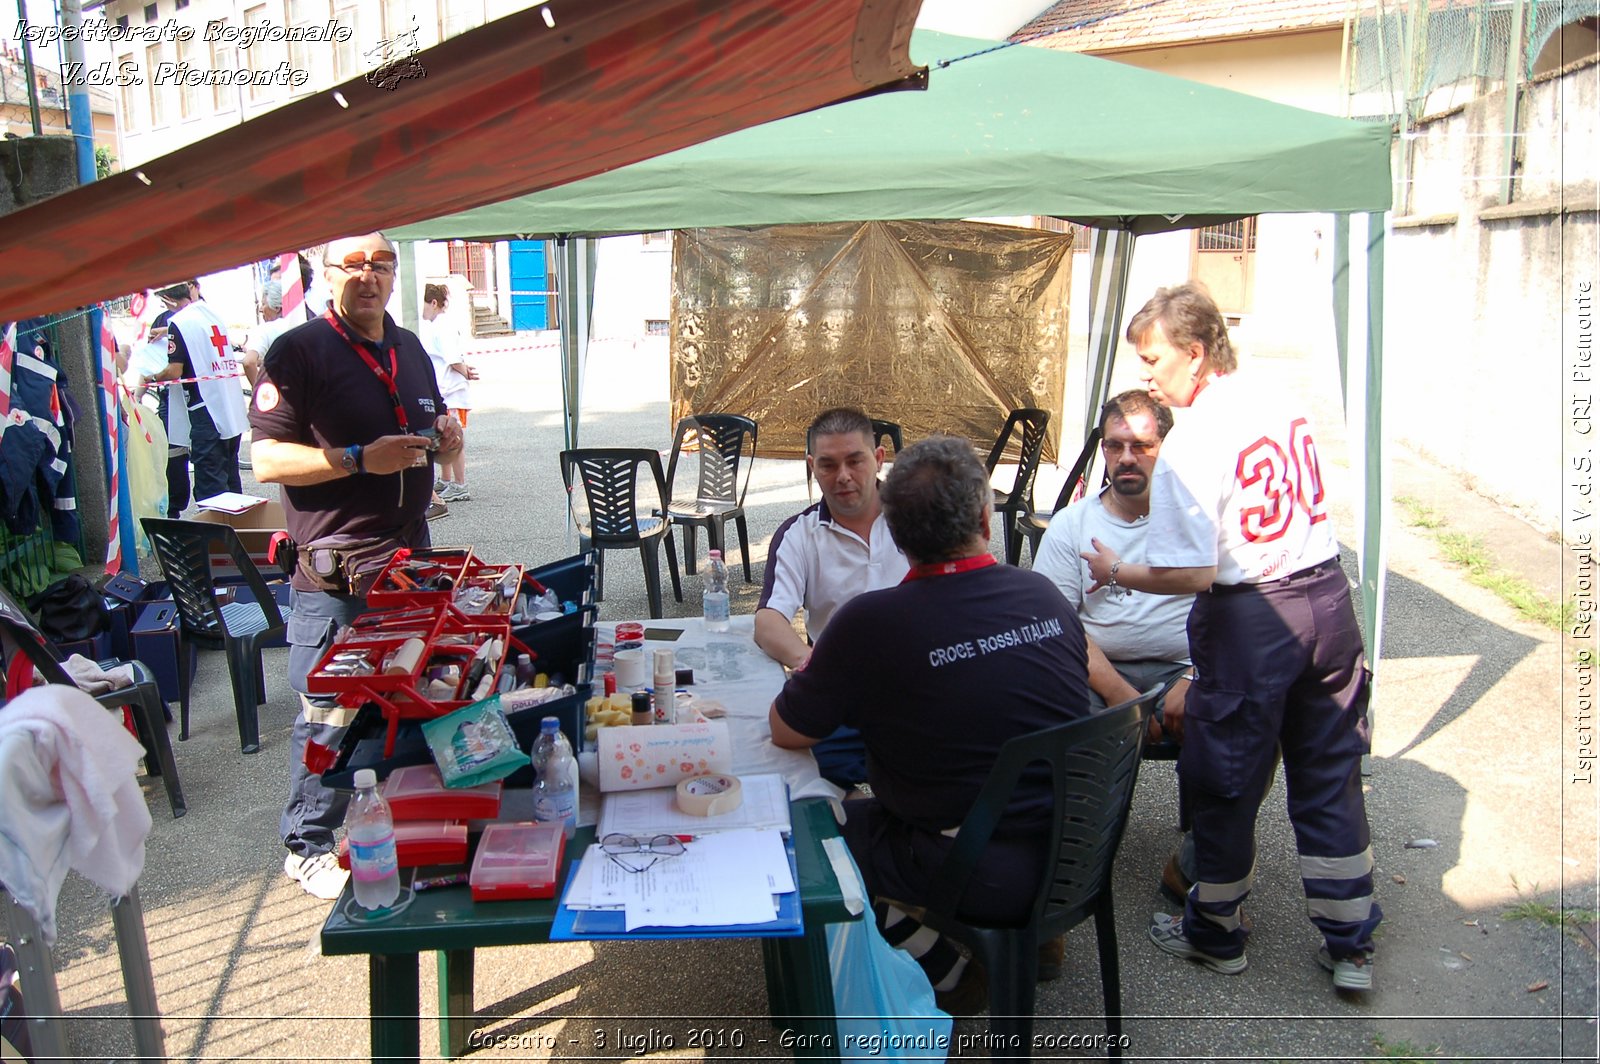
{"x":1287,"y":480}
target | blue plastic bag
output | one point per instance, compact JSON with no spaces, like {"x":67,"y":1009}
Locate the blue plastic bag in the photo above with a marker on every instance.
{"x":882,"y":998}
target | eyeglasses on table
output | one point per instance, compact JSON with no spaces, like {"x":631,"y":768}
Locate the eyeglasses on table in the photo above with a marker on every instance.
{"x":633,"y":854}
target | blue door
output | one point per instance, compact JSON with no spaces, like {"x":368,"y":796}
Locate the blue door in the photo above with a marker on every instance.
{"x":529,"y":305}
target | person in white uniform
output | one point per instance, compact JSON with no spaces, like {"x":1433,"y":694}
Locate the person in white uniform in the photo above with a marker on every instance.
{"x":1144,"y":637}
{"x":200,"y":354}
{"x":1239,"y":517}
{"x":455,"y":377}
{"x":825,"y":556}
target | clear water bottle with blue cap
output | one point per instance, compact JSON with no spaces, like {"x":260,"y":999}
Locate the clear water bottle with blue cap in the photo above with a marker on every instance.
{"x":715,"y":606}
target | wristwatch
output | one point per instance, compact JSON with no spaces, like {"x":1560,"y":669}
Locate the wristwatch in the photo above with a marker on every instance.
{"x":1111,"y":577}
{"x":352,"y":460}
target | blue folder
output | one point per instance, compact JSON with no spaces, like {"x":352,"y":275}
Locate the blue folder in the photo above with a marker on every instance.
{"x":574,"y":924}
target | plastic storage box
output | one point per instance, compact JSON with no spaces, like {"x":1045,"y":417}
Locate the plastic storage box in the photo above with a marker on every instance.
{"x":517,"y":861}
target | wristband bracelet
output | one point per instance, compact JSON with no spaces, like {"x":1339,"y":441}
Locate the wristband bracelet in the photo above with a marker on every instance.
{"x":1111,"y":577}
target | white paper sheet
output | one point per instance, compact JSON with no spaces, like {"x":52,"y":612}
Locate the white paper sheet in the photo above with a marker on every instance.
{"x":230,"y":502}
{"x":728,"y":878}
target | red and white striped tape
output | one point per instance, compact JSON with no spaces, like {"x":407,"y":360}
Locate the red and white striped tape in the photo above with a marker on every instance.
{"x":294,"y":291}
{"x":108,"y":381}
{"x":8,"y":355}
{"x":196,"y":380}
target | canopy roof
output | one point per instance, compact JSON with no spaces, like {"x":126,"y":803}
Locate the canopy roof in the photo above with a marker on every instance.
{"x":1020,"y":130}
{"x":508,"y":108}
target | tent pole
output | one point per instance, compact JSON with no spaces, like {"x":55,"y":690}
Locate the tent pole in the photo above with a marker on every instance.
{"x":411,"y":295}
{"x":574,"y":280}
{"x":1341,"y":304}
{"x":1110,"y":323}
{"x":1101,"y":242}
{"x":1373,"y":584}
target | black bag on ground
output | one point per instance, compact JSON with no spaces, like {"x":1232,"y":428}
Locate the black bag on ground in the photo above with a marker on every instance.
{"x":70,"y":609}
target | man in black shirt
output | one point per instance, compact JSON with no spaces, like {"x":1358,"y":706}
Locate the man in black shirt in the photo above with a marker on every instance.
{"x":937,"y":674}
{"x":335,"y":419}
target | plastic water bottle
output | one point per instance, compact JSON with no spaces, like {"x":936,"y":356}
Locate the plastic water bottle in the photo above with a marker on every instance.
{"x":369,"y":829}
{"x":549,"y":728}
{"x":715,"y":607}
{"x":564,"y":747}
{"x":555,"y":795}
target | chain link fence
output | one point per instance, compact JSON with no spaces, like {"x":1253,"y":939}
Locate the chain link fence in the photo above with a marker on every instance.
{"x":1410,"y":58}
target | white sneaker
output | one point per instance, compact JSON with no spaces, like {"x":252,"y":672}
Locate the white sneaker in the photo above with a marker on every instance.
{"x":320,"y":876}
{"x":455,"y":493}
{"x":1349,"y":973}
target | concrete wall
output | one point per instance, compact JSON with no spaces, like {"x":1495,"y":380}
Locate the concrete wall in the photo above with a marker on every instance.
{"x":1479,"y":315}
{"x":1298,"y":69}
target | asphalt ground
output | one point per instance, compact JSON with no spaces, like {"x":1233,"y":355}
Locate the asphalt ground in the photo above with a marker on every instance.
{"x":1473,"y":742}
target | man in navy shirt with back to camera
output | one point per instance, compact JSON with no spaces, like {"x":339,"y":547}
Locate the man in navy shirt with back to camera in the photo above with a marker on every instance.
{"x":938,"y":673}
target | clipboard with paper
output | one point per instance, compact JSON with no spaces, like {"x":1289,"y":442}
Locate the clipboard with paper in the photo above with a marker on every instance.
{"x":737,"y":883}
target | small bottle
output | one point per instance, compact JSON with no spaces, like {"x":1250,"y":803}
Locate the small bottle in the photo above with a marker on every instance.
{"x":549,"y":728}
{"x":555,"y":796}
{"x":641,"y":708}
{"x":525,"y":671}
{"x":663,"y":683}
{"x":374,"y":861}
{"x":715,"y":604}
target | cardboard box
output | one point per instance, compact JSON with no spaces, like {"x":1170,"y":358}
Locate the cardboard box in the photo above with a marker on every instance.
{"x":255,"y":527}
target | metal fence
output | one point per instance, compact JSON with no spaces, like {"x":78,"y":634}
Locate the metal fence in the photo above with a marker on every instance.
{"x":1410,"y":58}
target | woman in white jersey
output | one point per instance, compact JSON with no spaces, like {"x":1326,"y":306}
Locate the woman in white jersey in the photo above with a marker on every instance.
{"x":1239,"y":518}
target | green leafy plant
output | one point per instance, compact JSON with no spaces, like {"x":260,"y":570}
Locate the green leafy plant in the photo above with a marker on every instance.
{"x":1404,"y":1051}
{"x":1468,"y":552}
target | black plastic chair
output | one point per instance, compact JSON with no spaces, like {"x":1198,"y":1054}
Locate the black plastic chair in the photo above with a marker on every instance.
{"x":143,"y":697}
{"x":882,"y":432}
{"x":1094,"y":764}
{"x":1018,"y":499}
{"x":1031,"y":525}
{"x":610,"y":477}
{"x":718,"y":497}
{"x":240,"y":629}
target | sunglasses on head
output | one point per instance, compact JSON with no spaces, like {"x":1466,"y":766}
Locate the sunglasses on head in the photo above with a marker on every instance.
{"x":379,"y":262}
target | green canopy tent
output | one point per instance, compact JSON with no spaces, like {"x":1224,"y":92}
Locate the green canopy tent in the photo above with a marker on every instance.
{"x":1014,"y":131}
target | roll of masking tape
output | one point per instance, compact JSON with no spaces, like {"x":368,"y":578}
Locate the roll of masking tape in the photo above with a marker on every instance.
{"x":710,"y":795}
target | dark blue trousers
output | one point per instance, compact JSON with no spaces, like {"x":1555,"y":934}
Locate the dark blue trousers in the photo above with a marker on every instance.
{"x":1279,"y":665}
{"x":216,"y":460}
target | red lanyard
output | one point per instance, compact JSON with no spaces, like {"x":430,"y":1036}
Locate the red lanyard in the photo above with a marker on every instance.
{"x":388,"y":379}
{"x":960,"y":565}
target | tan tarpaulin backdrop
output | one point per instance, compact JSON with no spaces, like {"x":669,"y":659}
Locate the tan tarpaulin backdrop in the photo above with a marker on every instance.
{"x":940,"y":326}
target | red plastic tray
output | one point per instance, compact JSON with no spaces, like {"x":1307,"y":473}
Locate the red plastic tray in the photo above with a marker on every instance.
{"x":394,"y":587}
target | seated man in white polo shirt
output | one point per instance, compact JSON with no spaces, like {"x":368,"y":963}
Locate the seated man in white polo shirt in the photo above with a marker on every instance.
{"x":826,"y":555}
